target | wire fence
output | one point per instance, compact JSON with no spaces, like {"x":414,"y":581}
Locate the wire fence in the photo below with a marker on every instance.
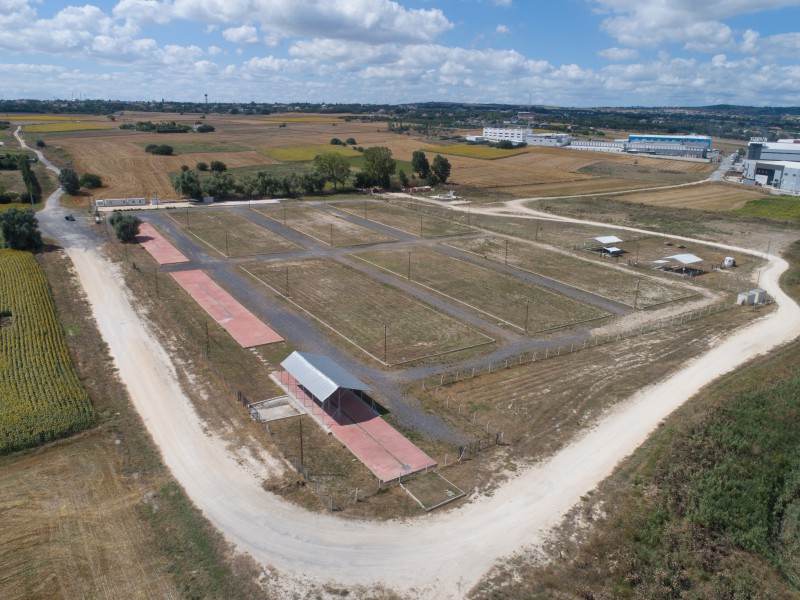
{"x":448,"y":378}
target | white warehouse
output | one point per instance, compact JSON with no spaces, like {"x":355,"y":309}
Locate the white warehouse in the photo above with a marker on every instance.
{"x":520,"y":135}
{"x":774,"y":164}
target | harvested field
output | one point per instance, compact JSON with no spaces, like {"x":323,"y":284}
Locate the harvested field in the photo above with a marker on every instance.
{"x":539,"y":405}
{"x":322,"y":225}
{"x":475,"y":151}
{"x":230,"y":234}
{"x":617,"y":283}
{"x":204,"y":147}
{"x":370,"y":315}
{"x":307,"y":153}
{"x":71,"y":527}
{"x":524,"y":306}
{"x":709,"y":196}
{"x":128,"y":171}
{"x":402,"y":219}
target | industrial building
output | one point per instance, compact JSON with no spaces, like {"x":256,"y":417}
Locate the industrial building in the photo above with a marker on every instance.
{"x":773,"y":164}
{"x":520,"y":135}
{"x":678,"y":146}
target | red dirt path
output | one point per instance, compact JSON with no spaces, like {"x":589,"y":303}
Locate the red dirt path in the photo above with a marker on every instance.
{"x":164,"y":252}
{"x":372,"y":440}
{"x":243,"y":325}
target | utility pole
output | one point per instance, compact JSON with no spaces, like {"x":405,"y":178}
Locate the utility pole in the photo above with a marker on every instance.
{"x":226,"y":246}
{"x":506,"y":250}
{"x":527,"y":311}
{"x":155,"y":276}
{"x":208,"y":343}
{"x":409,"y":267}
{"x":302,"y":461}
{"x":636,"y":297}
{"x":385,"y":331}
{"x":331,"y":235}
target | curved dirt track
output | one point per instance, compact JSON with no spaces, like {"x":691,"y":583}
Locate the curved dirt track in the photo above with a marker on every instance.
{"x":437,"y":556}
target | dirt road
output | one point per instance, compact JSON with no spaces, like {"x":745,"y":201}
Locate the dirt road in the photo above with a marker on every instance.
{"x":437,"y":556}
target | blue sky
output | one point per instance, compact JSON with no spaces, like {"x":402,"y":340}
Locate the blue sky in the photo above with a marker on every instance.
{"x":564,"y":52}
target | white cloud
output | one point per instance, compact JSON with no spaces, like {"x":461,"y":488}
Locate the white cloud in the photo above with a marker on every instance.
{"x":618,"y":54}
{"x":503,"y":3}
{"x":246,"y":34}
{"x":502,"y":30}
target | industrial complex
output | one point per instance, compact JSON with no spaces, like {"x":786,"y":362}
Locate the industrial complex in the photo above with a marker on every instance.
{"x":773,"y":164}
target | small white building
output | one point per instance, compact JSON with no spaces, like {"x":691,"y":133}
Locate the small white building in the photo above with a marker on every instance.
{"x":121,"y":202}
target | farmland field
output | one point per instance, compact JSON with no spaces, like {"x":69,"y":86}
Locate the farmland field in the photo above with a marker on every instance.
{"x":204,"y":146}
{"x":307,"y":153}
{"x":402,"y":219}
{"x":365,"y":312}
{"x":476,"y":151}
{"x":62,"y":126}
{"x":322,"y":225}
{"x":781,"y":208}
{"x":230,"y":234}
{"x":710,"y":196}
{"x":525,"y":306}
{"x":627,"y":287}
{"x":41,"y":397}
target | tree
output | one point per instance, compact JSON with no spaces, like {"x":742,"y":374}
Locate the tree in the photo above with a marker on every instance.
{"x":160,"y":149}
{"x":187,"y":183}
{"x":403,"y":178}
{"x":337,"y":142}
{"x":201,"y":166}
{"x":217,"y":166}
{"x":350,"y":141}
{"x":68,"y":178}
{"x":20,"y":229}
{"x":379,"y":165}
{"x":126,"y":227}
{"x":441,"y":168}
{"x":419,"y":162}
{"x":40,"y":144}
{"x":333,"y":167}
{"x":219,"y":185}
{"x":90,"y":181}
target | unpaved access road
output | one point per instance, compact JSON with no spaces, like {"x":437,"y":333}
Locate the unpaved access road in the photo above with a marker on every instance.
{"x":436,"y":556}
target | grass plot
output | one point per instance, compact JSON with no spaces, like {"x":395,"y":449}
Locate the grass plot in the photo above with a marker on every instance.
{"x":505,"y":298}
{"x":322,"y":225}
{"x":229,"y":233}
{"x":629,"y":288}
{"x":403,"y":219}
{"x":379,"y":319}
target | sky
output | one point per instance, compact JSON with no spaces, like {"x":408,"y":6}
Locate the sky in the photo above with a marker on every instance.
{"x":577,"y":53}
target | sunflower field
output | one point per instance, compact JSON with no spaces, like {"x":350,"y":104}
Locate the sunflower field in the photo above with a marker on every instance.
{"x":41,"y":397}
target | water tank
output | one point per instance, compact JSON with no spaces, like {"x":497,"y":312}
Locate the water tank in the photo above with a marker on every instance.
{"x":729,"y":262}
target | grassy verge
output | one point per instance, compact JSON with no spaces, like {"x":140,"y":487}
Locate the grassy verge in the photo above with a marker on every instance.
{"x":777,"y":208}
{"x":708,"y":508}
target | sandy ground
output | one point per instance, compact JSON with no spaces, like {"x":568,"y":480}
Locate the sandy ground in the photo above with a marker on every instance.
{"x":436,"y":556}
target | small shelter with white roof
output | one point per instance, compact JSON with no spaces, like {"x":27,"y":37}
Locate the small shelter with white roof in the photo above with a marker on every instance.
{"x":680,"y":263}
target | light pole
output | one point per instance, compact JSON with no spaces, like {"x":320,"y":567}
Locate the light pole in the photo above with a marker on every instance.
{"x":527,"y":311}
{"x":385,"y":332}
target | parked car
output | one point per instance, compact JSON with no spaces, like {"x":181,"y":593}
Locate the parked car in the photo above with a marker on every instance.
{"x":69,"y":218}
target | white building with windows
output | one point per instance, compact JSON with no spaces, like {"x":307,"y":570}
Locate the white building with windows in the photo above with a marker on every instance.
{"x":521,"y":135}
{"x":773,"y":164}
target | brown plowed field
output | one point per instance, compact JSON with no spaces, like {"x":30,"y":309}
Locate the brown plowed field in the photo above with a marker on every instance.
{"x":702,"y":197}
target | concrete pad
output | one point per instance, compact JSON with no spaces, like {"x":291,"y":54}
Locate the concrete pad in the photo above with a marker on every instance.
{"x":164,"y":252}
{"x":243,"y":325}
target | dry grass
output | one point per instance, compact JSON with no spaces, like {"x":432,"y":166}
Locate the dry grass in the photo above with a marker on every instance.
{"x":322,"y":225}
{"x":403,"y":219}
{"x":71,"y":526}
{"x":619,"y":283}
{"x":230,"y":234}
{"x":512,"y":301}
{"x":475,"y":151}
{"x":365,"y":312}
{"x":709,"y":196}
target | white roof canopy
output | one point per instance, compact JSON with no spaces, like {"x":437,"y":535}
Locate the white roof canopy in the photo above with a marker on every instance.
{"x":608,"y":239}
{"x":685,"y":259}
{"x":320,"y":375}
{"x":612,"y":250}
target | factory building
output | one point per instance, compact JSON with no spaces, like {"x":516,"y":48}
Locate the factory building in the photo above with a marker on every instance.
{"x":519,"y":135}
{"x":773,"y":164}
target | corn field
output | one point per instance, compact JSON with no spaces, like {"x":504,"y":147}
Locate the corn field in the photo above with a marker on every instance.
{"x":41,"y":397}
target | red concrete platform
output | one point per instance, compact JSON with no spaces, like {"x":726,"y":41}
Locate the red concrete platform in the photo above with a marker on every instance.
{"x":372,"y":440}
{"x":243,"y":325}
{"x":164,"y":252}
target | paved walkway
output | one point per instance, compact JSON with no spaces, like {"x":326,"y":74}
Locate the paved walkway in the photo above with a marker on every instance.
{"x":164,"y":252}
{"x":243,"y":325}
{"x":372,"y":440}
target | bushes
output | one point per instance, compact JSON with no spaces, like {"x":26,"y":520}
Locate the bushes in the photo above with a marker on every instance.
{"x":160,"y":149}
{"x":90,"y":181}
{"x":126,"y":227}
{"x":20,"y":230}
{"x":68,"y":179}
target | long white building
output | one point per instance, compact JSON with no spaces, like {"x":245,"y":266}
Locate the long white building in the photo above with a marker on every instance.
{"x":774,"y":164}
{"x":522,"y":135}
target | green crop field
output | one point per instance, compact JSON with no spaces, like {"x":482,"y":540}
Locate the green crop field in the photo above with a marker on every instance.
{"x":41,"y":397}
{"x":322,"y":225}
{"x":368,"y":314}
{"x":593,"y":276}
{"x":522,"y":305}
{"x":403,"y":219}
{"x":306,"y":153}
{"x":781,"y":208}
{"x":229,"y":233}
